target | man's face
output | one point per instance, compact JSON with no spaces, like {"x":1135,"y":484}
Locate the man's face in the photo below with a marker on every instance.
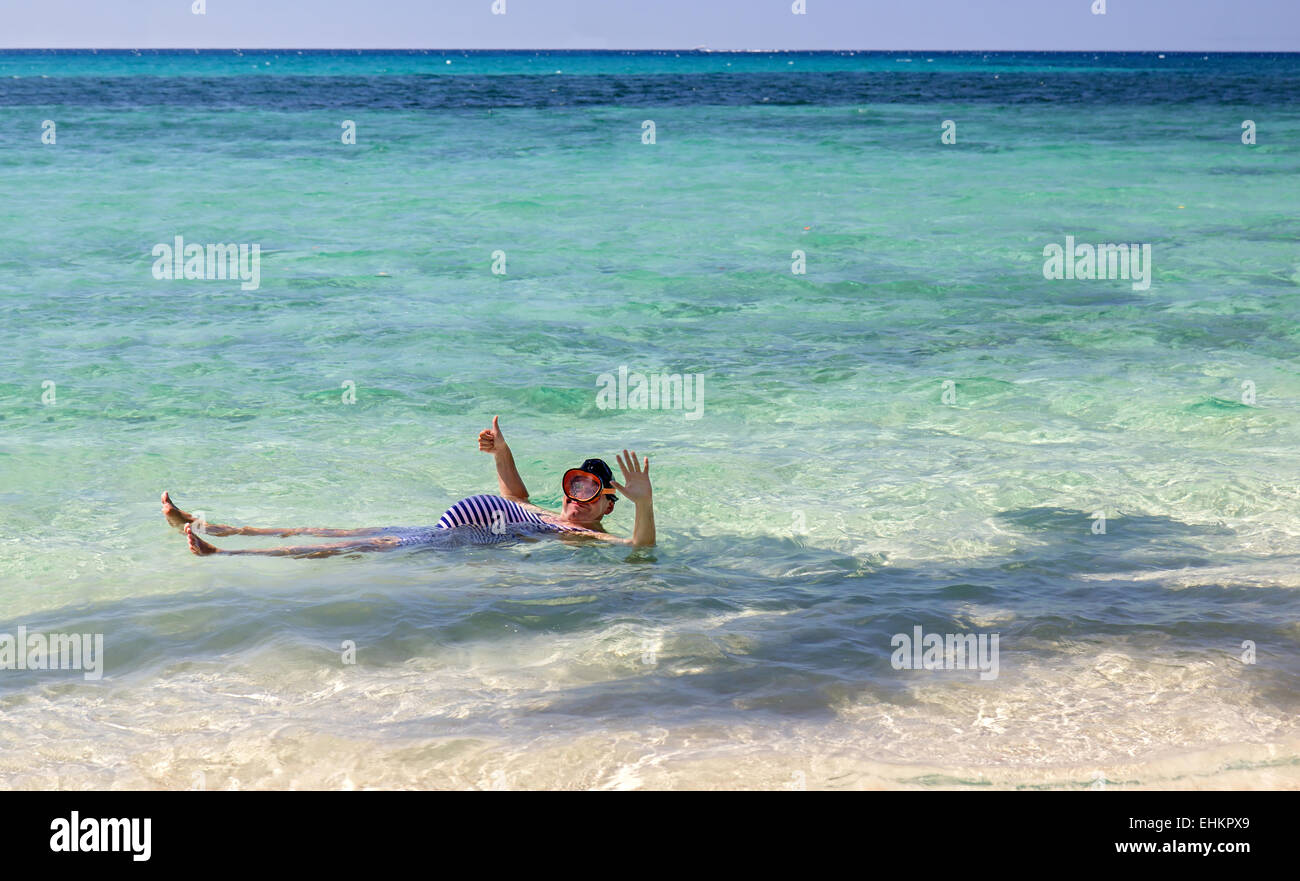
{"x":587,"y":512}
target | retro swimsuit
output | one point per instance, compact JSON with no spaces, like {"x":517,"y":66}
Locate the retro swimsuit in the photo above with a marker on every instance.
{"x":482,"y":519}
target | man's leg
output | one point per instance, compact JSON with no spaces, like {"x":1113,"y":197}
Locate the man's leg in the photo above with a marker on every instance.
{"x":203,"y":548}
{"x":178,"y":518}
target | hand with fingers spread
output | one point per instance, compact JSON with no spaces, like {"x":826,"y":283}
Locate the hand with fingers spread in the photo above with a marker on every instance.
{"x":636,"y":477}
{"x":636,"y":486}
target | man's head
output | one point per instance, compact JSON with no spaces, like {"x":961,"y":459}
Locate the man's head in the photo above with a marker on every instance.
{"x":588,"y":492}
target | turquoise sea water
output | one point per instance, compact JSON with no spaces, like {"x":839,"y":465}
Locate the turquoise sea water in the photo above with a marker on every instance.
{"x":829,"y":497}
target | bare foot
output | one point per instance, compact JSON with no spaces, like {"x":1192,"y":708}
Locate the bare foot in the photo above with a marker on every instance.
{"x":175,"y":516}
{"x":198,"y":545}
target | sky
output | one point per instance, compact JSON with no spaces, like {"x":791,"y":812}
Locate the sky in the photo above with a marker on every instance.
{"x":1127,"y":25}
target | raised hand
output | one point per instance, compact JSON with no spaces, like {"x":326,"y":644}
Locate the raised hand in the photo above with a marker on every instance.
{"x":490,"y":440}
{"x":636,"y":477}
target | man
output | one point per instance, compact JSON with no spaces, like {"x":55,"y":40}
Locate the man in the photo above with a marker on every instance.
{"x":589,"y":495}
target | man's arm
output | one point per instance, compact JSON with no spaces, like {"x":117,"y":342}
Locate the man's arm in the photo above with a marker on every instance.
{"x":491,"y":441}
{"x":643,"y":531}
{"x":636,"y":486}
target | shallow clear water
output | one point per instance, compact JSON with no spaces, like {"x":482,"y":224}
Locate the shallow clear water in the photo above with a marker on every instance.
{"x":827,"y":499}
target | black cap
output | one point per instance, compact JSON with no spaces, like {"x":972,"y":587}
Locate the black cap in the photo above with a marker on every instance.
{"x":601,"y":470}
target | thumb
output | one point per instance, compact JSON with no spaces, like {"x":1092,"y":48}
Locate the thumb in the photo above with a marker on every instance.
{"x":496,"y":425}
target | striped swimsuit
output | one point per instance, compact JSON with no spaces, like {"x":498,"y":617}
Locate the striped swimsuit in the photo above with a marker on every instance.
{"x":483,"y":519}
